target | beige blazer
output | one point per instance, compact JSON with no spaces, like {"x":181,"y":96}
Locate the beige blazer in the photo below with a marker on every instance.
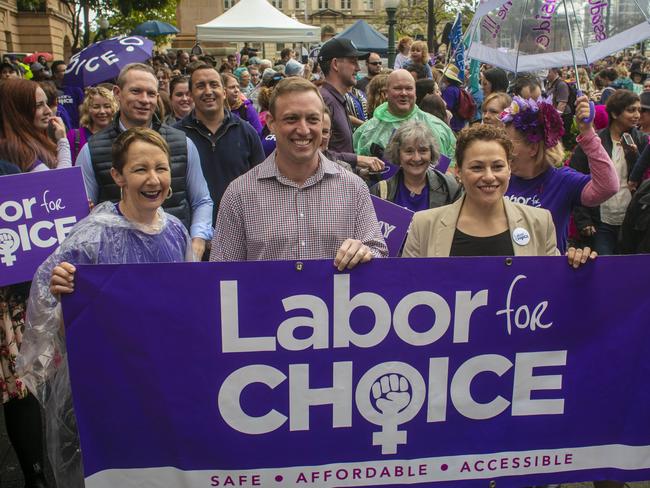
{"x":432,"y":231}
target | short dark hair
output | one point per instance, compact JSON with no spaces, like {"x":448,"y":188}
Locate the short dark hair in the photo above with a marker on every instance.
{"x":124,"y":140}
{"x":177,"y":80}
{"x":608,"y":74}
{"x":285,"y":52}
{"x":56,"y":64}
{"x":423,"y":88}
{"x":498,"y":79}
{"x":325,"y":66}
{"x":200,"y":68}
{"x":481,"y":132}
{"x":419,"y":70}
{"x":525,"y":80}
{"x":434,"y":105}
{"x":10,"y":66}
{"x":619,"y":101}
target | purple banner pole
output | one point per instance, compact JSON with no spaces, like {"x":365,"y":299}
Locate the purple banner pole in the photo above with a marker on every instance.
{"x":394,"y":222}
{"x":431,"y":372}
{"x":37,"y":210}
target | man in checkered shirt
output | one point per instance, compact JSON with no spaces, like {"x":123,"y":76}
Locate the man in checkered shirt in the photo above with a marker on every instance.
{"x":297,"y":204}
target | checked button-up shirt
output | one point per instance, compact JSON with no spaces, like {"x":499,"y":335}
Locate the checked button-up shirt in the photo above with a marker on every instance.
{"x":266,"y":216}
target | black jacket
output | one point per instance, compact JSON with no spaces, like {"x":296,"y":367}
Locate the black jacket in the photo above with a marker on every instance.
{"x":100,"y":146}
{"x":636,"y":226}
{"x":586,"y":216}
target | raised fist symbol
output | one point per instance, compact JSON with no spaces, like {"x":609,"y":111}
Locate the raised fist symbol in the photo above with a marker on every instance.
{"x":391,"y":394}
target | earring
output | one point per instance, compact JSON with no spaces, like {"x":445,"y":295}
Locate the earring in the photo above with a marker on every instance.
{"x":169,"y":193}
{"x":121,"y":193}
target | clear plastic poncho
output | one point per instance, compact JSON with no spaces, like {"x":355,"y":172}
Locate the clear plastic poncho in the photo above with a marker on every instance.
{"x":104,"y":237}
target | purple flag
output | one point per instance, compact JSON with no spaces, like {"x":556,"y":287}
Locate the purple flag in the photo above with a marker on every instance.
{"x":394,"y":222}
{"x":103,"y":60}
{"x":431,"y":372}
{"x":37,"y":210}
{"x":443,"y":163}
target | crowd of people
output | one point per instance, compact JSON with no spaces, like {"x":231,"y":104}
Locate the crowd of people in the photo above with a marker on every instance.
{"x":191,"y":157}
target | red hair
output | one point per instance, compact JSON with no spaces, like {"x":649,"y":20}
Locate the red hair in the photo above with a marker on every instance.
{"x":20,"y":141}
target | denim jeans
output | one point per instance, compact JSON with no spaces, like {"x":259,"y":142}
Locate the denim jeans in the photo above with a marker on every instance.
{"x":606,"y":239}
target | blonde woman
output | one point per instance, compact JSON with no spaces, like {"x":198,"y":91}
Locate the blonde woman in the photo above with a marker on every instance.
{"x":420,"y":57}
{"x":97,"y":111}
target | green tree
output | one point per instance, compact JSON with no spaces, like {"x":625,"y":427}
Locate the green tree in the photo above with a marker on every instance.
{"x":412,"y":17}
{"x":124,"y":24}
{"x":78,"y":12}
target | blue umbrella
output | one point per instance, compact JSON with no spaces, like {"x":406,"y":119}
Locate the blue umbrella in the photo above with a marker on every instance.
{"x":104,"y":60}
{"x":154,"y":28}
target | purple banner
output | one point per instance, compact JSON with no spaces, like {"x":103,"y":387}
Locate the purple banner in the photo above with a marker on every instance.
{"x":432,"y":372}
{"x":37,"y":210}
{"x":394,"y":222}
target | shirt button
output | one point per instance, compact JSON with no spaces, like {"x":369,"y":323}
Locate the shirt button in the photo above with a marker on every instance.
{"x":302,"y":215}
{"x":302,"y":243}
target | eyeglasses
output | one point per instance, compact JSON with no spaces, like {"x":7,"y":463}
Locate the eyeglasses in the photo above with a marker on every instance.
{"x":376,"y":63}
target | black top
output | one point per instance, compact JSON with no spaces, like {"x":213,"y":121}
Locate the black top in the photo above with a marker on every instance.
{"x":466,"y":245}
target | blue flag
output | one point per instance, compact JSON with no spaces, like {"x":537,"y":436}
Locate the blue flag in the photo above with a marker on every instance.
{"x":457,"y":47}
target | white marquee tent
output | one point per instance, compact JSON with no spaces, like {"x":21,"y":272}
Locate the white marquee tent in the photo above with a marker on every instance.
{"x":257,"y":21}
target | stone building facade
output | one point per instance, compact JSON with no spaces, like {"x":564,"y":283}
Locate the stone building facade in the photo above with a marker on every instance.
{"x":46,"y":28}
{"x":332,"y":16}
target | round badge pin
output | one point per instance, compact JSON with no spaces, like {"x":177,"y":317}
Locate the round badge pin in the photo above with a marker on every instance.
{"x":521,"y":236}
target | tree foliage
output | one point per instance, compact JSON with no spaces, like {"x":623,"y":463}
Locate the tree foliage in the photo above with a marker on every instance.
{"x":411,"y":17}
{"x":119,"y":13}
{"x":124,"y":24}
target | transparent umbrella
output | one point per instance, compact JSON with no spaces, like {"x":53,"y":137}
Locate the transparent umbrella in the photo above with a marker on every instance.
{"x":527,"y":35}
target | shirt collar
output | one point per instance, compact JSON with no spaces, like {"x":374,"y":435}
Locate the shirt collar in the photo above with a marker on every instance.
{"x":269,"y":169}
{"x":332,"y":89}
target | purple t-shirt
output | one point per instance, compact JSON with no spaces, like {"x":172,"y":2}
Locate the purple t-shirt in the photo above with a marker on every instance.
{"x":70,"y":97}
{"x":451,"y":96}
{"x":558,"y":190}
{"x":415,"y":203}
{"x":268,"y":142}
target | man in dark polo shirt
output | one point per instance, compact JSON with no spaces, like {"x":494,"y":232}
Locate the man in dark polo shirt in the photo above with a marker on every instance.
{"x":373,"y":65}
{"x":339,"y":60}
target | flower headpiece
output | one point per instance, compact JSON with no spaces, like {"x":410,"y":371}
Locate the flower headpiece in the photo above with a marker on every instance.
{"x":537,"y":119}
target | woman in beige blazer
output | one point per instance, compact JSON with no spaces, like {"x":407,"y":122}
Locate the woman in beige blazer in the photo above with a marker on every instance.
{"x":483,"y":223}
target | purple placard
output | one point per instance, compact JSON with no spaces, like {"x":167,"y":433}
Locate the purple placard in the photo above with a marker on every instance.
{"x":37,"y":210}
{"x":394,"y":222}
{"x":433,"y":372}
{"x":443,"y":163}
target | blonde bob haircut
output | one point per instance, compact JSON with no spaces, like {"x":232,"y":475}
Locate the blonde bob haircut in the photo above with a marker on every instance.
{"x":84,"y":111}
{"x":135,"y":134}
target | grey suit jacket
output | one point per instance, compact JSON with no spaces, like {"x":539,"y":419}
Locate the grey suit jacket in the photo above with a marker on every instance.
{"x":432,"y":231}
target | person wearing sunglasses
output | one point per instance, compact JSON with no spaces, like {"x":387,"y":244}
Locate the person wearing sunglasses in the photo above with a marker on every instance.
{"x":373,"y":66}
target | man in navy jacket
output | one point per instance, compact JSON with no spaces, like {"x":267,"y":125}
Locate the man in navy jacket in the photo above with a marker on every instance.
{"x":228,"y":146}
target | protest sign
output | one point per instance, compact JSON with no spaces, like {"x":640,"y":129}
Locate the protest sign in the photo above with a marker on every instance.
{"x":37,"y":211}
{"x":404,"y":371}
{"x":394,"y":222}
